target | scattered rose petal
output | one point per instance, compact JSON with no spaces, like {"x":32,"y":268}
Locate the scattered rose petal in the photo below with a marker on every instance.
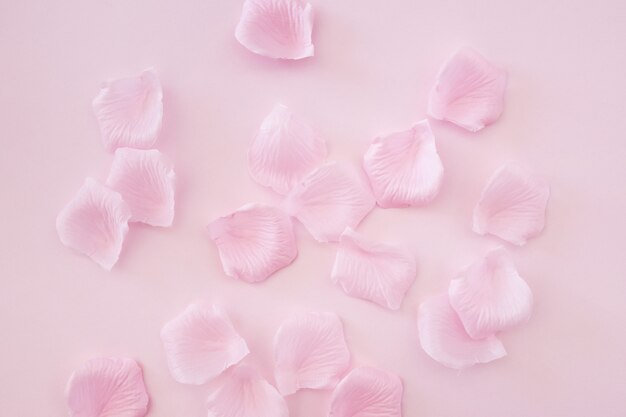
{"x":490,"y":296}
{"x":129,"y":111}
{"x":254,"y":242}
{"x":201,"y":343}
{"x":444,"y":338}
{"x":512,"y":206}
{"x":95,"y":223}
{"x":330,"y":199}
{"x":367,"y":392}
{"x":404,"y":168}
{"x":276,"y":28}
{"x":284,"y":151}
{"x":107,"y":387}
{"x":469,"y":91}
{"x":373,"y":271}
{"x":246,"y":394}
{"x":146,"y":182}
{"x":310,"y":351}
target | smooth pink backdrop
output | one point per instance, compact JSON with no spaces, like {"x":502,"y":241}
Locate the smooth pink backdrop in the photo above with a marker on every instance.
{"x":375,"y":60}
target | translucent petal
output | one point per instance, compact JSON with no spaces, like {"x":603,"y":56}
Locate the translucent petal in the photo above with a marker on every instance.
{"x":404,"y":168}
{"x":254,"y":242}
{"x":201,"y":343}
{"x":284,"y":151}
{"x":310,"y":351}
{"x":373,"y":271}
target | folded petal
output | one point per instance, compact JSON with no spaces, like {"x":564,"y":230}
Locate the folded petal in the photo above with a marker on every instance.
{"x":107,"y":387}
{"x":284,"y":151}
{"x":404,"y":168}
{"x":246,"y":394}
{"x":95,"y":223}
{"x":373,"y":271}
{"x":254,"y":241}
{"x":444,"y":338}
{"x":201,"y":343}
{"x":129,"y":111}
{"x":367,"y":392}
{"x":310,"y":351}
{"x":146,"y":182}
{"x":469,"y":91}
{"x":490,"y":296}
{"x":330,"y":199}
{"x":512,"y":205}
{"x":276,"y":28}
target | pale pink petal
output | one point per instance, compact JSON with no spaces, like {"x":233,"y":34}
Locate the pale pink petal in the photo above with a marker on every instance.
{"x":512,"y":205}
{"x":404,"y":168}
{"x":330,"y":199}
{"x":201,"y":343}
{"x":284,"y":151}
{"x":129,"y":111}
{"x":107,"y":387}
{"x":246,"y":394}
{"x":373,"y":271}
{"x":276,"y":28}
{"x":469,"y":91}
{"x":444,"y":338}
{"x":490,"y":296}
{"x":95,"y":223}
{"x":146,"y":182}
{"x":254,"y":241}
{"x":367,"y":392}
{"x":310,"y":351}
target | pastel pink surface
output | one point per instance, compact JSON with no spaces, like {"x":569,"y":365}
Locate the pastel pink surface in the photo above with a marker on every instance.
{"x":373,"y":68}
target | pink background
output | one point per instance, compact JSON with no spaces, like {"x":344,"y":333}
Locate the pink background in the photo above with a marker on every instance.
{"x":375,"y":61}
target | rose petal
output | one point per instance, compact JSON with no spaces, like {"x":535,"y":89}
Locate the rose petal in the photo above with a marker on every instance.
{"x":367,"y":392}
{"x":129,"y":111}
{"x":310,"y":351}
{"x":284,"y":151}
{"x":95,"y":223}
{"x":107,"y":387}
{"x":512,"y":205}
{"x":276,"y":28}
{"x":246,"y":394}
{"x":146,"y":182}
{"x":254,"y":241}
{"x":444,"y":338}
{"x":201,"y":343}
{"x":330,"y":199}
{"x":490,"y":296}
{"x":469,"y":91}
{"x":404,"y":168}
{"x":373,"y":271}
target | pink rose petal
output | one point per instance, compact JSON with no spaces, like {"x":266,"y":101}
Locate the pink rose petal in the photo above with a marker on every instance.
{"x":129,"y":111}
{"x":490,"y":296}
{"x":373,"y":271}
{"x":367,"y":392}
{"x":404,"y":168}
{"x":284,"y":151}
{"x":330,"y":199}
{"x":107,"y":387}
{"x":512,"y":205}
{"x":310,"y":351}
{"x":95,"y":223}
{"x":276,"y":28}
{"x":146,"y":182}
{"x":444,"y":338}
{"x":246,"y":394}
{"x":201,"y":343}
{"x":254,"y":241}
{"x":469,"y":91}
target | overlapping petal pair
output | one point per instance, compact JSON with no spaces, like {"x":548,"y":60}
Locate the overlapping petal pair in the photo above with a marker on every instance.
{"x":458,"y":329}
